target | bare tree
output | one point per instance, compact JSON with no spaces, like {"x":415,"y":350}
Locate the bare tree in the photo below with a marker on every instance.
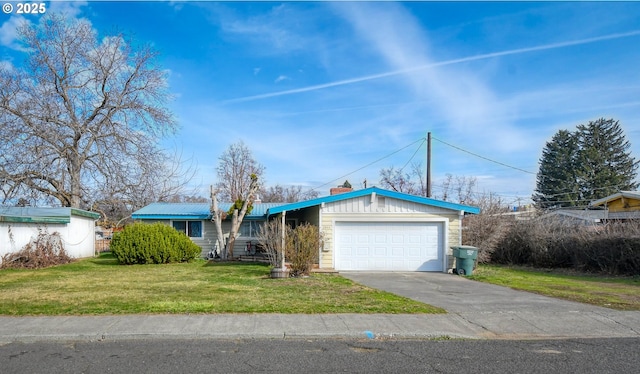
{"x":234,"y":172}
{"x":117,"y":199}
{"x":290,"y":194}
{"x":81,"y":116}
{"x":238,"y":182}
{"x":397,"y":180}
{"x":237,"y":212}
{"x":459,"y":188}
{"x":411,"y":182}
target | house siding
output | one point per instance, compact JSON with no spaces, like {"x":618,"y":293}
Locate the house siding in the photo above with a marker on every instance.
{"x":209,"y":236}
{"x":629,"y":205}
{"x":360,"y":209}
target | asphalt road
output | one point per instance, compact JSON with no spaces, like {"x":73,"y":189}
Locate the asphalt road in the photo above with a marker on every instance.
{"x":323,"y":356}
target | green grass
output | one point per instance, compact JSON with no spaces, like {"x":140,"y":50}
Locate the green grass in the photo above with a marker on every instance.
{"x":609,"y":292}
{"x":102,"y":286}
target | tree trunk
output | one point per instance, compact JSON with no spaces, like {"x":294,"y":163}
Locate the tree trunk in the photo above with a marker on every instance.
{"x":217,"y":217}
{"x":233,"y":233}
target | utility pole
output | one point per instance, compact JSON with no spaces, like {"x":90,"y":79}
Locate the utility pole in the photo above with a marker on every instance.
{"x":429,"y":164}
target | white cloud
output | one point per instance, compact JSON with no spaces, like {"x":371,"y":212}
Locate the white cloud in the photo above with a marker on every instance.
{"x":6,"y":65}
{"x":70,"y":9}
{"x":281,"y":29}
{"x":464,"y":100}
{"x":9,"y":29}
{"x":9,"y":32}
{"x":282,"y":78}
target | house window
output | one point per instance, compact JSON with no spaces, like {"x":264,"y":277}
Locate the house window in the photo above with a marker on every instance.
{"x":193,"y":229}
{"x":250,"y":229}
{"x":292,"y":222}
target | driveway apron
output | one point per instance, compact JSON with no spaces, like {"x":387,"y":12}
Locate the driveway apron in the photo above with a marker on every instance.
{"x":501,"y":311}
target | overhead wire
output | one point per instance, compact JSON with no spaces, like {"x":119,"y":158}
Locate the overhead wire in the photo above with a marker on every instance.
{"x":422,"y":140}
{"x":369,"y":164}
{"x":483,"y":157}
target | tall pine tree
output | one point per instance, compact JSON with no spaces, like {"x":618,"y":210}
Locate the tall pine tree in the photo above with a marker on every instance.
{"x":605,"y":165}
{"x":555,"y":185}
{"x":586,"y":165}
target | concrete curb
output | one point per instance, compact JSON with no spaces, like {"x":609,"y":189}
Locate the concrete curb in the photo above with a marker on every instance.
{"x":533,"y":325}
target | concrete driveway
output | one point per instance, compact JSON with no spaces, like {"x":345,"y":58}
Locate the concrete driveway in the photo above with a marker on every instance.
{"x":501,"y":310}
{"x":457,"y":294}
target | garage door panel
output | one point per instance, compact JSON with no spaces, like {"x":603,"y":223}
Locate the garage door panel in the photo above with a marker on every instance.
{"x":397,"y":252}
{"x":362,"y":251}
{"x":416,"y":252}
{"x":396,"y":238}
{"x":392,"y":246}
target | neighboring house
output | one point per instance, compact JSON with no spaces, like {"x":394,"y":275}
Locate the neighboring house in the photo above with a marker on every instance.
{"x":620,"y":206}
{"x":18,"y":225}
{"x":368,"y":229}
{"x":576,"y":216}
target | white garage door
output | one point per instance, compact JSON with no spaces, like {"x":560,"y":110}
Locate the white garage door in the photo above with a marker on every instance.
{"x":389,"y":246}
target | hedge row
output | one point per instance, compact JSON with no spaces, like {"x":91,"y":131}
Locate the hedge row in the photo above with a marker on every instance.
{"x":612,"y":249}
{"x":156,"y":243}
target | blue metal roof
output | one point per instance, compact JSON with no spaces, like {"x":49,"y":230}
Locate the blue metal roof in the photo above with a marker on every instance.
{"x":42,"y":215}
{"x":194,"y":211}
{"x":262,"y":210}
{"x":378,"y":191}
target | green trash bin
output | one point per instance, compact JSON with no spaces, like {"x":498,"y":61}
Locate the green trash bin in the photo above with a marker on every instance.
{"x":465,"y":259}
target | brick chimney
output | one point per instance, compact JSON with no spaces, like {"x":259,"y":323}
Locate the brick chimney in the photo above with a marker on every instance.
{"x":339,"y":190}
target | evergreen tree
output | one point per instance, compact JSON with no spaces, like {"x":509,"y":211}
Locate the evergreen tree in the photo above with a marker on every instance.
{"x":591,"y":163}
{"x":556,"y":179}
{"x":605,"y":165}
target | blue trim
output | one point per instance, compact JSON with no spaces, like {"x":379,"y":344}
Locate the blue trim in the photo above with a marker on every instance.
{"x":378,"y":191}
{"x":183,"y":218}
{"x":169,"y":217}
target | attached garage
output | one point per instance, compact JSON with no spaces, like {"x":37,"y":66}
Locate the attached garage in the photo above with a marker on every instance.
{"x":389,"y":246}
{"x":380,"y":230}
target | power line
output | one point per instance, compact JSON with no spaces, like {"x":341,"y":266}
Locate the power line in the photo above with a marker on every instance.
{"x":482,"y":157}
{"x":371,"y":163}
{"x":414,"y":154}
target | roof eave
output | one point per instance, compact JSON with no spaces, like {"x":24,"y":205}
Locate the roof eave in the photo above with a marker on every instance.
{"x":379,"y":191}
{"x":14,"y":219}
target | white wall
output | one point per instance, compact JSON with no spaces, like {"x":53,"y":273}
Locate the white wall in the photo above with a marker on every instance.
{"x":78,"y":236}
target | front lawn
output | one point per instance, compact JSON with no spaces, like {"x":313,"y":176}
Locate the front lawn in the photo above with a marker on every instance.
{"x":102,"y":286}
{"x":622,"y":293}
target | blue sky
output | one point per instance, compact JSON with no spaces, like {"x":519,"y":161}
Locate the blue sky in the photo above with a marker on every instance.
{"x":319,"y":90}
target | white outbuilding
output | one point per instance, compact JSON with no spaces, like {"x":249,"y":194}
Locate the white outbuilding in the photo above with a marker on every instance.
{"x":18,"y":225}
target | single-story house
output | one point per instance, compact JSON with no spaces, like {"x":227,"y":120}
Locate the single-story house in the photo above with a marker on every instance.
{"x":621,"y":205}
{"x":194,"y":219}
{"x":367,"y":229}
{"x":18,"y":225}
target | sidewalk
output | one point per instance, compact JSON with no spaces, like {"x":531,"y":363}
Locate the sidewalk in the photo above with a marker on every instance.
{"x":531,"y":325}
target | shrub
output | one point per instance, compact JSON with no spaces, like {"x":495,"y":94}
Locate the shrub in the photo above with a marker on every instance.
{"x":270,"y":237}
{"x":156,"y":243}
{"x":612,"y":249}
{"x":303,"y":244}
{"x":42,"y":251}
{"x":486,"y":229}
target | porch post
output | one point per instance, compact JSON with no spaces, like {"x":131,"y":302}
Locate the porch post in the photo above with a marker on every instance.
{"x":284,"y":231}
